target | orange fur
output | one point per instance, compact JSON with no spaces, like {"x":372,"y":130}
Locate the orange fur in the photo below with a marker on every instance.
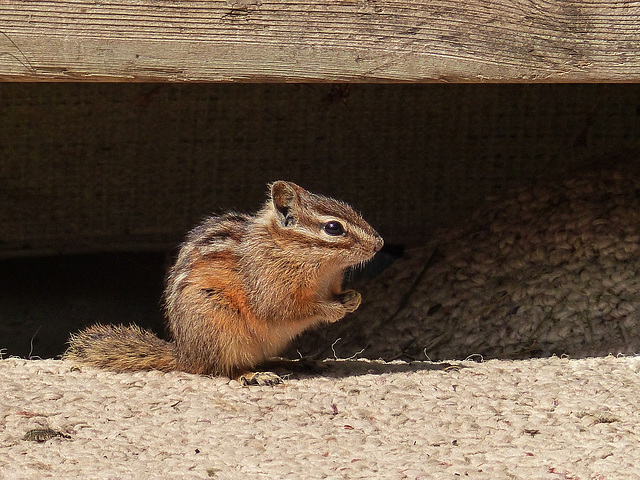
{"x":243,"y":286}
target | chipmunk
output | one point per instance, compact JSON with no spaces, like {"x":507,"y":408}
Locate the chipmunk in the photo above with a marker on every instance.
{"x":242,"y":287}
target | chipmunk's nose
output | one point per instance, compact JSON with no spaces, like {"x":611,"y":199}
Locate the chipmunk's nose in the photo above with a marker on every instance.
{"x":379,"y":242}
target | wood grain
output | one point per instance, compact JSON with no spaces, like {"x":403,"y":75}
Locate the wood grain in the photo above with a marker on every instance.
{"x":320,"y":40}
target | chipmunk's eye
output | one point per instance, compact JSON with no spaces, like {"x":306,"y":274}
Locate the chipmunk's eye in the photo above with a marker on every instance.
{"x":333,"y":228}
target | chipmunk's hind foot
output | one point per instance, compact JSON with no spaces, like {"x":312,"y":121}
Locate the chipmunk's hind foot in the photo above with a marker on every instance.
{"x":260,"y":379}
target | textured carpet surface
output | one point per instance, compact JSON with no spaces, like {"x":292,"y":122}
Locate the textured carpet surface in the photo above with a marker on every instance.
{"x":542,"y":270}
{"x":108,"y":166}
{"x":532,"y":419}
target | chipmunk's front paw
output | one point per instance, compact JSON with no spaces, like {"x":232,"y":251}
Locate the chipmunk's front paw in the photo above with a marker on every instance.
{"x":260,"y":379}
{"x":350,"y":300}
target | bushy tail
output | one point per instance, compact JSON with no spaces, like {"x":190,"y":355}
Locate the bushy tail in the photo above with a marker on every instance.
{"x":121,"y":349}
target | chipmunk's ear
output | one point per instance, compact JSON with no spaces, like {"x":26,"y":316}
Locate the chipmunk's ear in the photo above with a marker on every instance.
{"x":284,"y":196}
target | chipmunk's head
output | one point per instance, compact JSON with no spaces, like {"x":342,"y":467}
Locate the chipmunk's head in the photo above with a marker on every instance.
{"x":320,"y":227}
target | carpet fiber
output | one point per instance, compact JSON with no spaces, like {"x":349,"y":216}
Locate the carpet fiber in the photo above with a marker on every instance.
{"x":543,"y":418}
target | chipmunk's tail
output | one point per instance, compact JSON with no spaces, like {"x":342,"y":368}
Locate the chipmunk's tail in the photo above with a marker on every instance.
{"x":121,"y":349}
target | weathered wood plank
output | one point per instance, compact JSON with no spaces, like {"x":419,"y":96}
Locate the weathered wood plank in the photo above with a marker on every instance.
{"x":320,"y":40}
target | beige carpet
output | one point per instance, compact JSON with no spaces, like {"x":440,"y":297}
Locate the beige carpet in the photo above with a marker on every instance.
{"x":527,"y":419}
{"x":542,"y":270}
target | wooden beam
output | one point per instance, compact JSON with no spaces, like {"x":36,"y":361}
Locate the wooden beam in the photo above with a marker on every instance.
{"x":320,"y":40}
